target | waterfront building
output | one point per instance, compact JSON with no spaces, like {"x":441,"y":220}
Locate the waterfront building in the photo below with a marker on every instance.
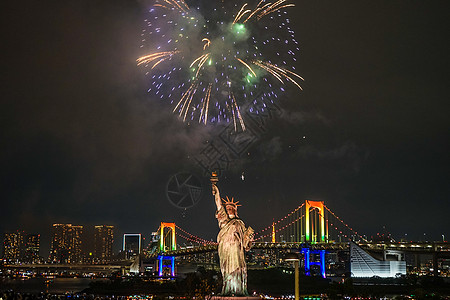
{"x":103,"y":243}
{"x":32,"y":248}
{"x":13,"y":246}
{"x":66,"y":243}
{"x":132,"y":245}
{"x":362,"y":264}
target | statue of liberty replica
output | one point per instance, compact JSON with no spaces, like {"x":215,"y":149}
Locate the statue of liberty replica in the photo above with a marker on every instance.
{"x":234,"y":239}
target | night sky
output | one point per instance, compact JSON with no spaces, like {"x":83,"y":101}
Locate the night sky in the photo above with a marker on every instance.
{"x":83,"y":142}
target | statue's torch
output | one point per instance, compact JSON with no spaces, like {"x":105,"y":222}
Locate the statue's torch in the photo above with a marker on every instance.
{"x":214,"y":179}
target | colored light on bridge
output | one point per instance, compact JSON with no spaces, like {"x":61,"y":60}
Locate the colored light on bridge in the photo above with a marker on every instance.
{"x":162,"y":239}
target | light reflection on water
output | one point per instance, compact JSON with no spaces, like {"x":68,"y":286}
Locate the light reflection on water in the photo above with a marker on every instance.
{"x":37,"y":285}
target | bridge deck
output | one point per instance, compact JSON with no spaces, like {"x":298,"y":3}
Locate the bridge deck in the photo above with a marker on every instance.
{"x":417,"y":247}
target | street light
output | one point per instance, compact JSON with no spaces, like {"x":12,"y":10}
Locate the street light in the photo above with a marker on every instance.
{"x":293,"y":256}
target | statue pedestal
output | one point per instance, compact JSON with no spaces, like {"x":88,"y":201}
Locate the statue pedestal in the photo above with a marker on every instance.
{"x":235,"y":298}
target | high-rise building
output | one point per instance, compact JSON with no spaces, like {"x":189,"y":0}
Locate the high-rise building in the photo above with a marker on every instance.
{"x":131,"y":244}
{"x":66,"y":243}
{"x":103,"y":242}
{"x":32,"y":247}
{"x":13,"y":246}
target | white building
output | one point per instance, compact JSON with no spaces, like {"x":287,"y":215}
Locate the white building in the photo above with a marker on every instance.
{"x":363,"y":264}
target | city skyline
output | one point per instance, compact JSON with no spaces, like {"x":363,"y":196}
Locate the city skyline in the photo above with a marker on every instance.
{"x":20,"y":246}
{"x":85,"y":144}
{"x":69,"y":243}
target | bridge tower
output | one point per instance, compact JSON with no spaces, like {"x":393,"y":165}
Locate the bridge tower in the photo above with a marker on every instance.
{"x":315,"y":231}
{"x":273,"y":233}
{"x":306,"y":224}
{"x":166,"y":264}
{"x":309,"y":255}
{"x":164,"y":243}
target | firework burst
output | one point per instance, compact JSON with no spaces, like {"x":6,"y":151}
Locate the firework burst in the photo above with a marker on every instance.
{"x":216,"y":62}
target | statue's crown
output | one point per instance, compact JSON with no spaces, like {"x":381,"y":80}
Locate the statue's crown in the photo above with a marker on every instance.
{"x":230,"y":202}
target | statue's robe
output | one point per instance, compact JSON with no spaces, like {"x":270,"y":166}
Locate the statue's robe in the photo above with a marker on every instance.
{"x":233,"y":239}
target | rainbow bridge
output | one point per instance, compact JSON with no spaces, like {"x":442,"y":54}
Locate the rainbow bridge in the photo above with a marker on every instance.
{"x":311,"y":229}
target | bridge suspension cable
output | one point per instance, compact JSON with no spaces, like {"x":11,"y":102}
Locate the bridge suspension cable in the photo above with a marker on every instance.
{"x":193,"y":238}
{"x":347,"y":226}
{"x":281,"y":228}
{"x":280,"y":220}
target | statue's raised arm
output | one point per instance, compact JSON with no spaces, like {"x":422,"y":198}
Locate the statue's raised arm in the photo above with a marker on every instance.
{"x":216,"y":193}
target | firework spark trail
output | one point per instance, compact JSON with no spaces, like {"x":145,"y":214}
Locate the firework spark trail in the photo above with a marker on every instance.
{"x":274,"y":7}
{"x":185,"y":5}
{"x":160,"y":5}
{"x":261,"y":11}
{"x":204,"y":112}
{"x":207,"y":102}
{"x":160,"y":61}
{"x":278,"y":72}
{"x":183,"y":96}
{"x":241,"y":13}
{"x":238,"y":113}
{"x":189,"y":104}
{"x":232,"y":111}
{"x":175,"y":4}
{"x":159,"y":55}
{"x":245,"y":64}
{"x":257,"y":9}
{"x":201,"y":63}
{"x":252,"y":14}
{"x":198,"y":59}
{"x":207,"y":43}
{"x":284,"y":71}
{"x":275,"y":74}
